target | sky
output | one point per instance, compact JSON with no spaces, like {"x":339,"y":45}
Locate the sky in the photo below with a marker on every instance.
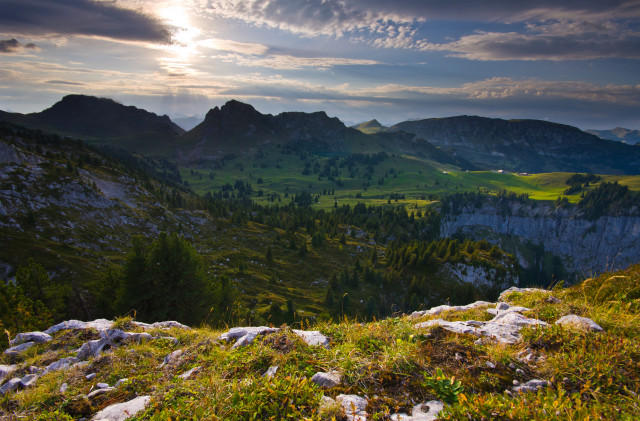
{"x":575,"y":62}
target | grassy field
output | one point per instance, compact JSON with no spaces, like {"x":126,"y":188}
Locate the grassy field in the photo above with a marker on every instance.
{"x":410,"y":180}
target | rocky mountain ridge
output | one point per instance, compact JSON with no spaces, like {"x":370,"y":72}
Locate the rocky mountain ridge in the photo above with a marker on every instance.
{"x":620,"y":134}
{"x":532,"y":146}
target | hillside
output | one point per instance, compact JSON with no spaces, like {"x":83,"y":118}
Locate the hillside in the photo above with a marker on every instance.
{"x":565,"y":354}
{"x":104,"y":121}
{"x":531,"y":146}
{"x":370,"y":127}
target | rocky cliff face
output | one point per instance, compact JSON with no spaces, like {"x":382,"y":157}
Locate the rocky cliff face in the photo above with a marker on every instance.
{"x":585,"y":247}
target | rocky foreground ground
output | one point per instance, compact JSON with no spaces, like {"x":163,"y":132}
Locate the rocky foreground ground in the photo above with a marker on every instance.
{"x":511,"y":359}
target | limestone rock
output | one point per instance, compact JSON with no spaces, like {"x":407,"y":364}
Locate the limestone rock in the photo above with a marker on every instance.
{"x":7,"y":370}
{"x":422,"y":412}
{"x":327,"y":380}
{"x":162,"y":325}
{"x":100,"y":391}
{"x":531,"y":386}
{"x":503,"y":328}
{"x":503,"y":308}
{"x":439,"y":309}
{"x":271,"y":371}
{"x":63,"y":388}
{"x":245,"y":335}
{"x":508,"y":291}
{"x":61,"y":364}
{"x":10,"y":386}
{"x":36,"y":337}
{"x":189,"y":372}
{"x":172,"y":357}
{"x":29,"y":380}
{"x":19,"y":349}
{"x":582,"y":323}
{"x":122,"y":411}
{"x":354,"y":407}
{"x":312,"y":337}
{"x":98,"y":324}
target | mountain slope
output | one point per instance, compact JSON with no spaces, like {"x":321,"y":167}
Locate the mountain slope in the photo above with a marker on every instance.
{"x":525,"y":145}
{"x":369,"y":127}
{"x":621,"y":134}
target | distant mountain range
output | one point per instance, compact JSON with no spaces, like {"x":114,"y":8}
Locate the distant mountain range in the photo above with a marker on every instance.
{"x":236,"y":128}
{"x":631,"y":137}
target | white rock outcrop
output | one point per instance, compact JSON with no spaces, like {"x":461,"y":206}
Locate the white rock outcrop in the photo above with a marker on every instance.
{"x":354,"y":407}
{"x":582,"y":323}
{"x":427,"y":411}
{"x":122,"y":411}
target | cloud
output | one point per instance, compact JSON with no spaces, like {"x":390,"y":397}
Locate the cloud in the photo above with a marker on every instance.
{"x":233,"y":46}
{"x":289,"y":62}
{"x":64,"y":82}
{"x":560,"y":40}
{"x":9,"y":46}
{"x":80,"y":17}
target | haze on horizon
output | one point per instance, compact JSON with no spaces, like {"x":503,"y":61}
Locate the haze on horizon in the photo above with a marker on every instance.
{"x":573,"y":62}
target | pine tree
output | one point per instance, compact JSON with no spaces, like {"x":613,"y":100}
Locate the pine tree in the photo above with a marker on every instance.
{"x":269,"y":255}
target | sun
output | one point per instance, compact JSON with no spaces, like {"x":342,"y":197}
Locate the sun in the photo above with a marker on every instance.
{"x":185,"y":32}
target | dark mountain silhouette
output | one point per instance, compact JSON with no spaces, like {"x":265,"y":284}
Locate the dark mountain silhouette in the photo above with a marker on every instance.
{"x":525,"y":145}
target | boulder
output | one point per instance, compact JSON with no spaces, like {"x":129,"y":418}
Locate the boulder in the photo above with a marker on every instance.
{"x":122,"y":411}
{"x":354,"y":407}
{"x":422,"y":412}
{"x":508,"y":291}
{"x":189,"y":373}
{"x":19,"y":349}
{"x":503,"y":308}
{"x":7,"y":370}
{"x":10,"y":386}
{"x":98,"y":324}
{"x":439,"y":309}
{"x":36,"y":337}
{"x":162,"y":325}
{"x":245,"y":335}
{"x":29,"y":380}
{"x":271,"y":371}
{"x":327,"y":380}
{"x":531,"y":386}
{"x":312,"y":337}
{"x":61,"y":364}
{"x":578,"y":322}
{"x":172,"y":357}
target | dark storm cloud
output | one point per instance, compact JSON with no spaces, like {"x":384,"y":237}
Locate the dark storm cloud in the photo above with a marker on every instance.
{"x":12,"y":45}
{"x":79,"y":17}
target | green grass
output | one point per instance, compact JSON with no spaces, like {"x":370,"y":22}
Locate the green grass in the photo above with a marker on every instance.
{"x":414,"y":177}
{"x":592,"y":375}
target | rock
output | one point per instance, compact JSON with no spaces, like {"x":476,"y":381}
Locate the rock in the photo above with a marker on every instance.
{"x":422,"y":412}
{"x":508,"y":291}
{"x":63,"y":388}
{"x":61,"y":364}
{"x":90,"y":376}
{"x":162,"y":325}
{"x":503,"y":308}
{"x":439,"y":309}
{"x":553,"y":300}
{"x":98,"y":324}
{"x":172,"y":357}
{"x":520,"y":372}
{"x":100,"y":391}
{"x":35,"y":370}
{"x":354,"y":407}
{"x":10,"y":386}
{"x":36,"y":337}
{"x":7,"y":370}
{"x":327,"y":380}
{"x":121,"y":382}
{"x":312,"y":337}
{"x":189,"y":373}
{"x":245,"y":335}
{"x":122,"y":411}
{"x":19,"y":349}
{"x":93,"y":348}
{"x":102,"y":385}
{"x":531,"y":386}
{"x":489,"y":364}
{"x":578,"y":322}
{"x":271,"y":371}
{"x":504,"y":328}
{"x":29,"y":380}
